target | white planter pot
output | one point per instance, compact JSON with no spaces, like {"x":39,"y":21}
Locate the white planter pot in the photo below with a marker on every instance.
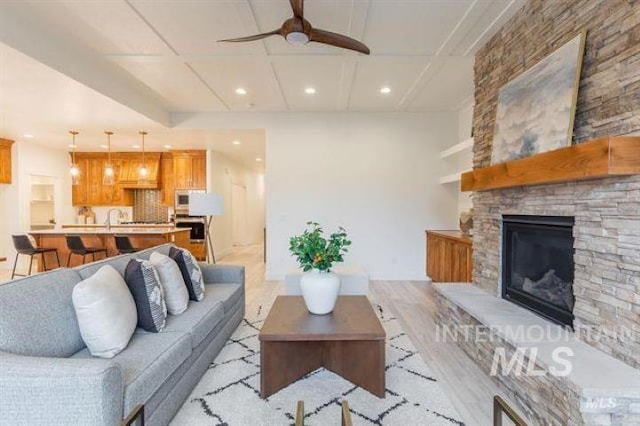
{"x":320,"y":291}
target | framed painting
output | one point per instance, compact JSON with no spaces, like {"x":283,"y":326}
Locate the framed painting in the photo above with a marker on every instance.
{"x":536,"y":110}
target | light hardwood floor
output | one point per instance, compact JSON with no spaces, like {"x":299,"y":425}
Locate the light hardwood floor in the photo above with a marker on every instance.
{"x":412,"y":302}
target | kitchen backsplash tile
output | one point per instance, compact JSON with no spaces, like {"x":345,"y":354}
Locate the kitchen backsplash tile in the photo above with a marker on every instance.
{"x":147,"y":206}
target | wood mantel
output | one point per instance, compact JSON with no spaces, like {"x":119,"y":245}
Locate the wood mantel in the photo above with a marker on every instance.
{"x":598,"y":158}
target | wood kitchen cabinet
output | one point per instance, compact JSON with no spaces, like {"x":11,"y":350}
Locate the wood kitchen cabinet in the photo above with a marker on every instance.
{"x":5,"y":160}
{"x":449,"y":256}
{"x":167,"y":179}
{"x":190,"y":169}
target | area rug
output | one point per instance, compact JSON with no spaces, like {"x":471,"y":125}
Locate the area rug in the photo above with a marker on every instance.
{"x":228,"y":393}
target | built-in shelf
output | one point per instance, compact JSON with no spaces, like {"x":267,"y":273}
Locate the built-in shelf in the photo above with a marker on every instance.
{"x":452,"y":178}
{"x":459,"y":147}
{"x":599,"y":158}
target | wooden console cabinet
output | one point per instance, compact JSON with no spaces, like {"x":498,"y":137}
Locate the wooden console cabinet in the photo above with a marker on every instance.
{"x":449,"y":256}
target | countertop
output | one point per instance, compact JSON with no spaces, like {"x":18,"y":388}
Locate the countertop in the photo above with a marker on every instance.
{"x":118,"y":225}
{"x":94,"y":230}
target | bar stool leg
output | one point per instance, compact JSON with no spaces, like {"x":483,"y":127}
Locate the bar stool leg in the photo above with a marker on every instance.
{"x":15,"y":263}
{"x":58,"y":258}
{"x":30,"y":263}
{"x":44,"y":262}
{"x":69,"y":260}
{"x":93,"y":255}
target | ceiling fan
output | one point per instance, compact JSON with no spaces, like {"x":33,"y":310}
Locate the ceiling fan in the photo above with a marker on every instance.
{"x":298,"y":30}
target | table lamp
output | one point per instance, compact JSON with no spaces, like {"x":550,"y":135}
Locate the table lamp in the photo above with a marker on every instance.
{"x":209,"y":205}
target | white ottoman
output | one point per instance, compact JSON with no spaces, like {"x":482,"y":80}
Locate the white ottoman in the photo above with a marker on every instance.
{"x":354,"y":280}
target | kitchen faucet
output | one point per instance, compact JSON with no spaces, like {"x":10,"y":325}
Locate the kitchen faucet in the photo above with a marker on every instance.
{"x":108,"y":221}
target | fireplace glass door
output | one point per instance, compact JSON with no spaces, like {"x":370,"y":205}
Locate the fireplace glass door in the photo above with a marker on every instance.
{"x":538,"y":267}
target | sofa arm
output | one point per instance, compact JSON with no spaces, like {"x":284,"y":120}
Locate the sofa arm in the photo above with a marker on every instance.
{"x":222,"y":273}
{"x":39,"y":390}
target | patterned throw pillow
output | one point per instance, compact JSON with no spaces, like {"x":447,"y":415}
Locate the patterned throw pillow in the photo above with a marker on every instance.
{"x":144,"y":284}
{"x":191,"y":272}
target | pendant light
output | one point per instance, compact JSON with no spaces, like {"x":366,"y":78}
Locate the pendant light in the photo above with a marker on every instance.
{"x":74,"y":170}
{"x":143,"y":172}
{"x":108,"y":177}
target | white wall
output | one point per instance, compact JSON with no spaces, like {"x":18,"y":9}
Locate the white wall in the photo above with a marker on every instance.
{"x":224,"y":172}
{"x":465,"y":159}
{"x":31,"y":161}
{"x":374,"y":174}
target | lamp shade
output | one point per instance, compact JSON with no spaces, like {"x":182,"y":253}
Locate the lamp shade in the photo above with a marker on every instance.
{"x":205,"y":204}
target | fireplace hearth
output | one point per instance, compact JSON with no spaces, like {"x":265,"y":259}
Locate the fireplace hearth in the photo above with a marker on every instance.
{"x":537,"y":265}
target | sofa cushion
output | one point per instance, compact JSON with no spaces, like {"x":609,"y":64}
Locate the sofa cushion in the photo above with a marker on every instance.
{"x":147,"y":362}
{"x":37,"y":316}
{"x":227,"y":293}
{"x":144,"y":284}
{"x":175,"y":291}
{"x":199,"y":319}
{"x":191,"y":272}
{"x":106,"y":312}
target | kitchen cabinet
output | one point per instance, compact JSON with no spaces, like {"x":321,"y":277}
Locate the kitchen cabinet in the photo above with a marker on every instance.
{"x":80,"y":192}
{"x":90,"y":190}
{"x":5,"y":160}
{"x":167,"y":179}
{"x":190,"y":169}
{"x":449,"y":256}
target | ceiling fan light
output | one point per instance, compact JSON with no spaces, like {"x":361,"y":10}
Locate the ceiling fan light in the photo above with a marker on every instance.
{"x":297,"y":38}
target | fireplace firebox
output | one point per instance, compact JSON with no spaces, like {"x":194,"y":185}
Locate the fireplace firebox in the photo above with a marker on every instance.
{"x":537,"y":265}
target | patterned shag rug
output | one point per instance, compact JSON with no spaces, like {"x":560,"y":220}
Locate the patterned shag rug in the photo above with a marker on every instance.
{"x":228,"y":393}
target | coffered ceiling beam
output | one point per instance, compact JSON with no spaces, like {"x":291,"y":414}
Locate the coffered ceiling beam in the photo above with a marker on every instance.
{"x":22,"y":30}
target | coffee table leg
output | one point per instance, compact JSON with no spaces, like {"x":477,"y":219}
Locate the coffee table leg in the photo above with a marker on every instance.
{"x":282,"y":363}
{"x":362,"y":362}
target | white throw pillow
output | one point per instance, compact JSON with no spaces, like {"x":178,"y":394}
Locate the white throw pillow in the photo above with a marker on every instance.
{"x":176,"y":295}
{"x":106,"y":312}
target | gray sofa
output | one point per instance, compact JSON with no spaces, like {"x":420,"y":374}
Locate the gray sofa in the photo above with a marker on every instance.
{"x":48,"y":377}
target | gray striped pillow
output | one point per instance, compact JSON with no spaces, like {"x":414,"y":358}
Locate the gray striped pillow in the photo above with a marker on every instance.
{"x":144,"y":284}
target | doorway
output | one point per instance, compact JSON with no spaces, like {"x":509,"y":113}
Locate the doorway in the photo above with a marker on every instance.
{"x":239,"y":214}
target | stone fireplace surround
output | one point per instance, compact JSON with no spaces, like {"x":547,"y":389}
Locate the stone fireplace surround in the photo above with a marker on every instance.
{"x":604,"y":386}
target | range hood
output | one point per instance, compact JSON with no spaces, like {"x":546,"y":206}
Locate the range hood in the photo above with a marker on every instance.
{"x":128,"y":165}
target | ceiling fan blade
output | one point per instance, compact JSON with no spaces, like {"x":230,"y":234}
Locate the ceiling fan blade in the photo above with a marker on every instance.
{"x":298,"y":8}
{"x":253,"y":37}
{"x":338,"y":40}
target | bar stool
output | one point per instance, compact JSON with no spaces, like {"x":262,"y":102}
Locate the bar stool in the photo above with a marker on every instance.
{"x":23,"y":245}
{"x":124,"y":246}
{"x":76,"y":246}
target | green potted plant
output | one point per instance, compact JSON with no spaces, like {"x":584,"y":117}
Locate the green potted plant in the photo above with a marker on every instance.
{"x":316,"y":255}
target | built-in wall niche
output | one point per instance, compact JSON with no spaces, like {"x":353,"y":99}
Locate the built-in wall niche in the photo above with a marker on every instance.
{"x":42,"y":203}
{"x":537,"y":265}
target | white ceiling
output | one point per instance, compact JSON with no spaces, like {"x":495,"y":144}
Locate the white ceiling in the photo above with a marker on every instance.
{"x":422,"y":49}
{"x":36,"y":100}
{"x":126,"y":65}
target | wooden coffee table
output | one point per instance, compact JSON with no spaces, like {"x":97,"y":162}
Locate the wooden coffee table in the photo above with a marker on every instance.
{"x":350,"y":342}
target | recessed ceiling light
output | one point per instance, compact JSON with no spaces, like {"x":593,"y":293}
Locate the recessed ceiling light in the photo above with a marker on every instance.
{"x":104,"y":146}
{"x":258,"y":159}
{"x":310,"y":91}
{"x":28,"y":136}
{"x":136,"y":146}
{"x":72,"y":146}
{"x":236,"y":142}
{"x":167,"y":146}
{"x":385,"y":90}
{"x":241,"y":91}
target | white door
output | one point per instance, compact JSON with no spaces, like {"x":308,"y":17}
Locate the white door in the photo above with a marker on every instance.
{"x":239,"y":214}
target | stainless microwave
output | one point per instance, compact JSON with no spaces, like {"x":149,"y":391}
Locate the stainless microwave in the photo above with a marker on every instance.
{"x":182,"y":198}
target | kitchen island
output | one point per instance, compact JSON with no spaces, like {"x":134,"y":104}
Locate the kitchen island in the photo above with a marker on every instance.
{"x":99,"y":236}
